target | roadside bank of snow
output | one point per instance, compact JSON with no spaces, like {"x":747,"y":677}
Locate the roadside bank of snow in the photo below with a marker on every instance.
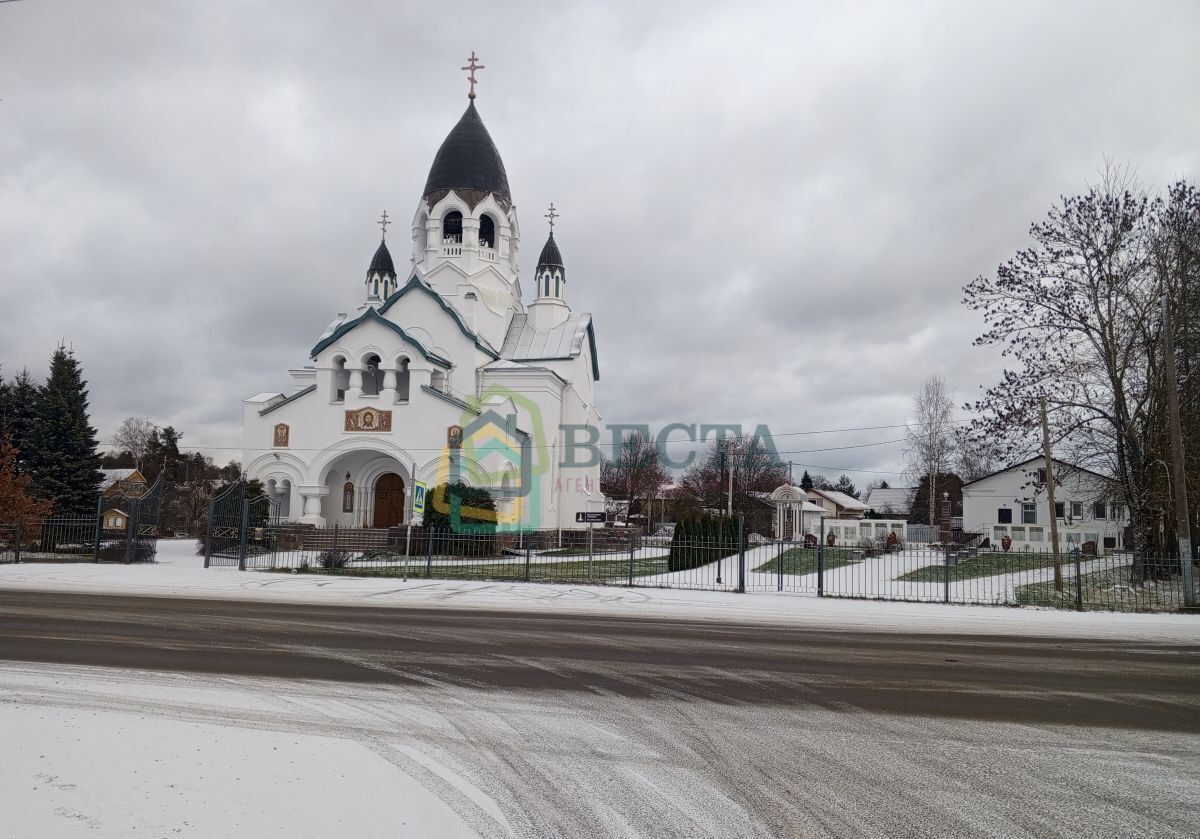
{"x":180,"y":573}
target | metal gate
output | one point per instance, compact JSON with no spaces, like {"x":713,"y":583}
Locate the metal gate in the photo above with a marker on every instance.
{"x":241,"y":523}
{"x":137,"y":540}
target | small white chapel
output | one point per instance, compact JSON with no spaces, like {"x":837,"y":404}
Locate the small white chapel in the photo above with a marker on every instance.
{"x":442,"y":373}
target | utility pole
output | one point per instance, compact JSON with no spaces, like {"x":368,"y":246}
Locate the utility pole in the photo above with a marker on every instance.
{"x":729,"y":511}
{"x":1058,"y":580}
{"x":1183,"y":525}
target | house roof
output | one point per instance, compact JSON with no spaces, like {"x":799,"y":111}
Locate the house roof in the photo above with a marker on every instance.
{"x":842,"y":499}
{"x":112,"y":476}
{"x":525,"y":343}
{"x":281,"y":402}
{"x":1035,"y":459}
{"x":897,"y":499}
{"x":469,"y":161}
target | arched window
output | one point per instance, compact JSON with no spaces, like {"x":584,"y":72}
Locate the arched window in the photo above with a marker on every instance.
{"x":372,"y":376}
{"x":487,"y":232}
{"x":341,"y":379}
{"x":546,"y":284}
{"x":452,"y":227}
{"x":557,"y":286}
{"x":402,"y":380}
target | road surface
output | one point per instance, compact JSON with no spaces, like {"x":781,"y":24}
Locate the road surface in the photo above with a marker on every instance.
{"x":569,"y":725}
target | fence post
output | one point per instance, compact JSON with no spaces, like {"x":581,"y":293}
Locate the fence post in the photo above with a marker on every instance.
{"x":821,"y":560}
{"x":779,"y":562}
{"x":208,"y":534}
{"x":429,"y":536}
{"x":245,"y":535}
{"x":946,"y":574}
{"x":528,"y":559}
{"x":17,"y":549}
{"x":99,"y":529}
{"x":741,"y":554}
{"x":131,"y":529}
{"x":632,"y":551}
{"x":1079,"y":583}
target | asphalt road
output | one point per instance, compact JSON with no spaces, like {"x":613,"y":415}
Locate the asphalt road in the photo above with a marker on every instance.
{"x":698,"y":728}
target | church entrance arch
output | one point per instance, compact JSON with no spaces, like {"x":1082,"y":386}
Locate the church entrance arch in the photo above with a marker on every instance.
{"x":389,"y":500}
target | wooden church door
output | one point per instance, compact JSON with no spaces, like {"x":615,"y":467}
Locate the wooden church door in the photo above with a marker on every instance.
{"x":389,"y":500}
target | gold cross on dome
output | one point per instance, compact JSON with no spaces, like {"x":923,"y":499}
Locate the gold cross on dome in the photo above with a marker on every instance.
{"x":472,"y":66}
{"x":383,"y":222}
{"x":552,"y":215}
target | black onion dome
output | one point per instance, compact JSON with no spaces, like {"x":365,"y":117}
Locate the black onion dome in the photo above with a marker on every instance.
{"x":469,"y":164}
{"x":550,"y":257}
{"x":381,"y":262}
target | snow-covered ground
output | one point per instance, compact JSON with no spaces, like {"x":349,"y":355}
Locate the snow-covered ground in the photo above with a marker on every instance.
{"x":180,"y":572}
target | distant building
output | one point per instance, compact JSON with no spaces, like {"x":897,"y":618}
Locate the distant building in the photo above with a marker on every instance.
{"x":837,"y":505}
{"x":115,"y":520}
{"x":127,"y":482}
{"x":891,"y":502}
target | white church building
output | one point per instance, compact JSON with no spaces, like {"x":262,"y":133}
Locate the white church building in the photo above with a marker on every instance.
{"x":441,"y":374}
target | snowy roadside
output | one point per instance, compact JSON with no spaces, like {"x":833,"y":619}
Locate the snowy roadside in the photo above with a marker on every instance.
{"x":180,"y":573}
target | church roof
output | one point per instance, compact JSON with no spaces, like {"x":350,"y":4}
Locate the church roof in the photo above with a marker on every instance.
{"x":381,"y":262}
{"x":525,"y":343}
{"x":468,"y":163}
{"x":419,"y":284}
{"x":551,"y":258}
{"x":370,"y":314}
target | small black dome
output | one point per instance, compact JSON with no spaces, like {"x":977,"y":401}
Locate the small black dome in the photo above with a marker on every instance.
{"x":469,"y":163}
{"x":550,"y":257}
{"x":381,"y":262}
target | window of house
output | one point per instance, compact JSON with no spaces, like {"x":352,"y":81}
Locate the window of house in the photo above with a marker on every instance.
{"x":1037,"y":534}
{"x":999,"y":533}
{"x":1029,"y":513}
{"x":1060,"y":510}
{"x":1116,"y":512}
{"x":1041,"y":475}
{"x":1100,"y":510}
{"x":1018,"y":534}
{"x":1076,"y":509}
{"x":1004,"y":515}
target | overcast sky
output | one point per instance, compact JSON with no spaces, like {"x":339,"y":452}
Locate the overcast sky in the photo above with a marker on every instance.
{"x":770,"y":208}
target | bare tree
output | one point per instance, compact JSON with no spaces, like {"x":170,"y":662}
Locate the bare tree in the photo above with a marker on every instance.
{"x":930,"y":437}
{"x":134,"y":435}
{"x":636,"y":471}
{"x":1079,"y":313}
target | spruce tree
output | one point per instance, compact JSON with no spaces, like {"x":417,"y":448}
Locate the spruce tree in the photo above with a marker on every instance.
{"x":806,"y":481}
{"x":61,"y":452}
{"x":18,"y":407}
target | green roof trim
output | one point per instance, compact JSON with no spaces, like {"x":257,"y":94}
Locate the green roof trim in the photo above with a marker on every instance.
{"x":371,"y":314}
{"x":416,"y":282}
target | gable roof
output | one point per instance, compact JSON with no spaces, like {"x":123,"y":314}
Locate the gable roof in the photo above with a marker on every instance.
{"x":420,"y":285}
{"x":897,"y":499}
{"x":523,"y":342}
{"x":112,"y":476}
{"x":1034,"y":459}
{"x":372,"y":315}
{"x":841,"y":499}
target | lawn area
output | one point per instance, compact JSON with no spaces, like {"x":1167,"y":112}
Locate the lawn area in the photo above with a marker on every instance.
{"x":983,"y":565}
{"x":804,"y":561}
{"x":603,"y":570}
{"x":1107,"y":589}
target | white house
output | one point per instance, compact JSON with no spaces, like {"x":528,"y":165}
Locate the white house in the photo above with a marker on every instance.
{"x":1013,"y":503}
{"x":442,"y":373}
{"x":797,"y":515}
